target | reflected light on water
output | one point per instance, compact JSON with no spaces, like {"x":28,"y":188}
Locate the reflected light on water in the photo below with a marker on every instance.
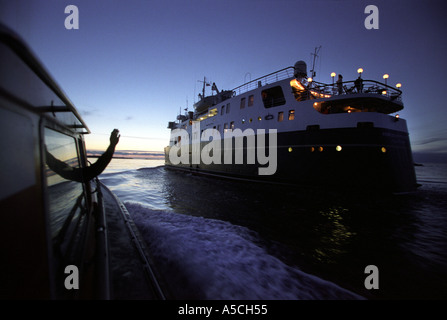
{"x":334,"y":235}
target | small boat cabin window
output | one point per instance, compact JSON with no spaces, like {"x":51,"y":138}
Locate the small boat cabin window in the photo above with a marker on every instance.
{"x":280,"y":116}
{"x":273,"y":97}
{"x":291,"y":114}
{"x":222,"y":110}
{"x":243,"y":103}
{"x":251,"y":99}
{"x":66,"y":197}
{"x":228,"y":108}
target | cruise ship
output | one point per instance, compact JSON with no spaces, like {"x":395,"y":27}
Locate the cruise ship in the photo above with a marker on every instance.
{"x":287,"y":128}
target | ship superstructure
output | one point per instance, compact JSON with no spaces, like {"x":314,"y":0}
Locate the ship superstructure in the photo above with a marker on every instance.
{"x":346,"y":132}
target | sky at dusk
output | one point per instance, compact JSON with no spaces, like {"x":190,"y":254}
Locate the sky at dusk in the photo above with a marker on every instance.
{"x":134,"y":64}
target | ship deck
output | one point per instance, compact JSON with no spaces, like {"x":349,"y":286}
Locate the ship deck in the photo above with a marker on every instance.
{"x":132,"y":272}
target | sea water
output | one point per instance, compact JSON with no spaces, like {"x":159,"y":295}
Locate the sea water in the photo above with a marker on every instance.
{"x":222,"y":239}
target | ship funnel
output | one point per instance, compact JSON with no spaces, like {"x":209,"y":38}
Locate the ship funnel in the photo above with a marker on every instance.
{"x":300,"y":69}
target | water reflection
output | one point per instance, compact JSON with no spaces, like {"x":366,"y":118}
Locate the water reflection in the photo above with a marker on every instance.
{"x":331,"y":234}
{"x":334,"y":233}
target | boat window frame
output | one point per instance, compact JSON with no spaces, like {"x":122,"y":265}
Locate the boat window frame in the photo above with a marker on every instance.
{"x":242,"y":104}
{"x":280,"y":116}
{"x":228,"y":108}
{"x":291,"y":115}
{"x":55,"y":264}
{"x":251,"y":100}
{"x":273,"y":97}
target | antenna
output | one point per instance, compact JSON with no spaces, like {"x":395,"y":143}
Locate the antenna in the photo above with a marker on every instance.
{"x":315,"y":55}
{"x":204,"y":84}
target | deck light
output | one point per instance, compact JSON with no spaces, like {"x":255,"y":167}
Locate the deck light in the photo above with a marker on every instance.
{"x":333,"y":76}
{"x":338,"y":148}
{"x":399,"y":85}
{"x":309,"y":80}
{"x":385,"y":77}
{"x":290,"y":149}
{"x":383,"y":150}
{"x":360,"y":71}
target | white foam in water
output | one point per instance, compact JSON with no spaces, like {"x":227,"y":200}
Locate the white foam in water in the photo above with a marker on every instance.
{"x":223,"y":261}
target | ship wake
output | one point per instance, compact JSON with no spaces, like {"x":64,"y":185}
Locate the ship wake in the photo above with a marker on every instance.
{"x":212,"y":259}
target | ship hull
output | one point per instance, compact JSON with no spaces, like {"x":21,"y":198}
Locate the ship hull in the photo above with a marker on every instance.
{"x":365,"y":159}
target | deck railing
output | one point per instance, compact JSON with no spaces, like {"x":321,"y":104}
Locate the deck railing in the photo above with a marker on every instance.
{"x":262,"y":81}
{"x":347,"y":87}
{"x":351,"y":87}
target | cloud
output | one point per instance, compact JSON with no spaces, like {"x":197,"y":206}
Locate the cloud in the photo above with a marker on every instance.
{"x":88,"y":111}
{"x":430,"y":140}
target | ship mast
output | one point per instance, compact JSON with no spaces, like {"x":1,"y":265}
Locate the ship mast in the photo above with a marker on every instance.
{"x":315,"y":55}
{"x":204,"y":84}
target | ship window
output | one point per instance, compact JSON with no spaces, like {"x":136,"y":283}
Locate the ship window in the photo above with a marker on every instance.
{"x":212,"y":112}
{"x":232,"y":125}
{"x":273,"y":97}
{"x":66,"y":198}
{"x":251,"y":100}
{"x":228,"y":108}
{"x":280,"y":116}
{"x":291,"y":114}
{"x":223,"y":110}
{"x":242,"y":103}
{"x":225,"y":127}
